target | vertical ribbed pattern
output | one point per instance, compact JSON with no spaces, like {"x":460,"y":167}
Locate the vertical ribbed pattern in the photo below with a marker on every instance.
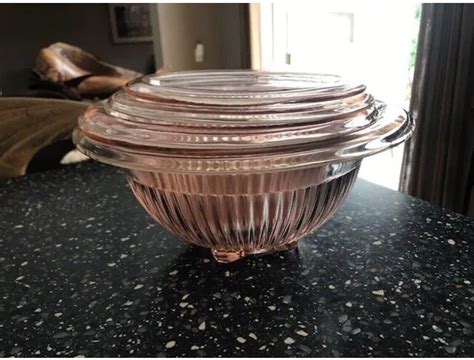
{"x":247,"y":223}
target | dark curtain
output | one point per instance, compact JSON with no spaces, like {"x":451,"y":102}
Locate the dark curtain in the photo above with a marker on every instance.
{"x":437,"y":164}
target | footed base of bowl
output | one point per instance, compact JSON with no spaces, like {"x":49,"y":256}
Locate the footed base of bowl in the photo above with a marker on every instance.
{"x":228,"y":256}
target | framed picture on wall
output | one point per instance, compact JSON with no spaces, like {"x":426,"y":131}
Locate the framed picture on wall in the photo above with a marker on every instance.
{"x":130,"y":23}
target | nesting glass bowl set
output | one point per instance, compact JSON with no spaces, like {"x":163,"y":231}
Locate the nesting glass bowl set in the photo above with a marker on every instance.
{"x":241,"y":162}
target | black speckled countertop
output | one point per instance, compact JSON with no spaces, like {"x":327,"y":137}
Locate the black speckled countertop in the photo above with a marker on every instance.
{"x":85,"y":272}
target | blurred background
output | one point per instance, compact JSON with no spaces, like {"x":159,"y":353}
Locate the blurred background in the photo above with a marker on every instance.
{"x":85,"y":52}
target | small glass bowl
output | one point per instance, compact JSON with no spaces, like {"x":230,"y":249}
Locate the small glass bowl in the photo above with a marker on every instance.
{"x":241,"y":162}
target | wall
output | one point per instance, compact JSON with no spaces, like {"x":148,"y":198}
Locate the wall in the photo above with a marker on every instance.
{"x":223,"y":29}
{"x":26,"y":28}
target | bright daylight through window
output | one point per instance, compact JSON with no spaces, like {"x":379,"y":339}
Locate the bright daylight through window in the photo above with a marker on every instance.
{"x":365,"y":41}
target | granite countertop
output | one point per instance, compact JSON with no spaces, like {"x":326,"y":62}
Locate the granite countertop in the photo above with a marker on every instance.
{"x":85,"y":272}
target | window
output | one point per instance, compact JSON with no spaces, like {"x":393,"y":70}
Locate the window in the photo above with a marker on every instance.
{"x":362,"y":41}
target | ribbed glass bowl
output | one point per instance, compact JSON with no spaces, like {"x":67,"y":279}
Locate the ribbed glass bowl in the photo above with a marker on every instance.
{"x":241,"y":162}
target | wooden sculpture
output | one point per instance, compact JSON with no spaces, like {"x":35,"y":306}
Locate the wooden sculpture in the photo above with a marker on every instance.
{"x":66,"y":64}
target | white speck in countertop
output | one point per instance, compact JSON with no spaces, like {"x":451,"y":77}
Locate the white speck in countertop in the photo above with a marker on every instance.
{"x":437,"y":329}
{"x":302,"y":333}
{"x":170,"y":344}
{"x":378,"y":292}
{"x":241,"y":340}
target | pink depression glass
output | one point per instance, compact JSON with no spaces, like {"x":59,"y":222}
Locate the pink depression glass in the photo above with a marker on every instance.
{"x":241,"y":162}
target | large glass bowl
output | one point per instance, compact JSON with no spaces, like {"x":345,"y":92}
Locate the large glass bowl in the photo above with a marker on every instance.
{"x":241,"y":162}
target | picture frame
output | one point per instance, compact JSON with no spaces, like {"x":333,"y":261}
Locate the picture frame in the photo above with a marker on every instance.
{"x":130,"y":23}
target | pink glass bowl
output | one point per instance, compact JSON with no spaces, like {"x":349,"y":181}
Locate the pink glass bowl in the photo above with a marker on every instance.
{"x":241,"y":162}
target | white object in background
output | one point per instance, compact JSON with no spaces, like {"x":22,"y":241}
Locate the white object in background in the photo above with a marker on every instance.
{"x":72,"y":157}
{"x":199,"y":52}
